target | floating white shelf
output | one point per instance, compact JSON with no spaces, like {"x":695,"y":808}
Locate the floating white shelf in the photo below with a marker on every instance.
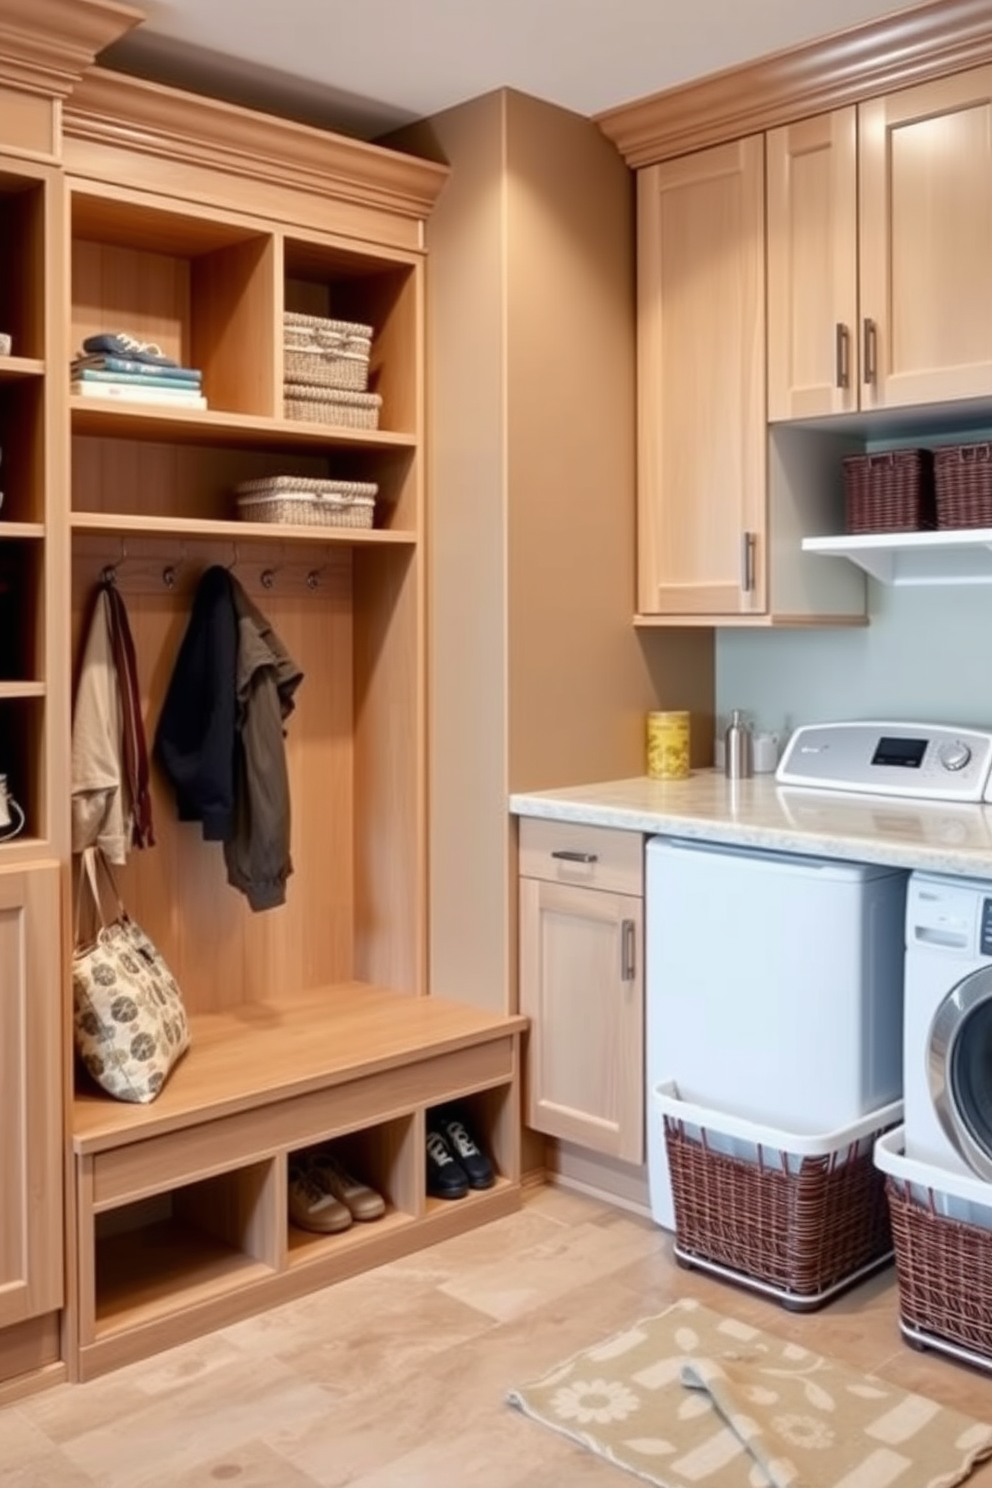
{"x":960,"y":556}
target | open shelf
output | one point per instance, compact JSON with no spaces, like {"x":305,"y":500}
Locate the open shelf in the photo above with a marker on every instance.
{"x":191,"y":528}
{"x":16,"y":368}
{"x":944,"y":557}
{"x":212,"y":426}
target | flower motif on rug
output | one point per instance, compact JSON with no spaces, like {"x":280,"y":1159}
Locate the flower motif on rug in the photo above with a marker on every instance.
{"x":595,"y":1400}
{"x":804,"y":1431}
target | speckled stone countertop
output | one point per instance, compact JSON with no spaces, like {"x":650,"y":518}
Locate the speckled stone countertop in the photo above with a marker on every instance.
{"x":930,"y":835}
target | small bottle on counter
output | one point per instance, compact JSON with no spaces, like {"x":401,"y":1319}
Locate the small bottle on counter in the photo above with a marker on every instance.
{"x":738,"y":748}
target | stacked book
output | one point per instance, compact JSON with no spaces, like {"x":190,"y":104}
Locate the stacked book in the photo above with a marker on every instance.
{"x":118,"y":367}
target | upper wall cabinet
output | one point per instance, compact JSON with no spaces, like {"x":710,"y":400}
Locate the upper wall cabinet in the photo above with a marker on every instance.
{"x":701,"y":401}
{"x":888,"y":305}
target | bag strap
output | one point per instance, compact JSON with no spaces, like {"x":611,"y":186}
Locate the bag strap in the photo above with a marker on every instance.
{"x":92,"y":860}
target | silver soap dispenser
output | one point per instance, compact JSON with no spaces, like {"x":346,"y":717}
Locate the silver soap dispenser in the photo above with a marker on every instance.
{"x":738,"y":749}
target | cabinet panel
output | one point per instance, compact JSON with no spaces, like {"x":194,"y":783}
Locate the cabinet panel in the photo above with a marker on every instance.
{"x":581,"y":983}
{"x":701,"y":375}
{"x":812,"y":267}
{"x":30,"y":1097}
{"x":588,"y":857}
{"x":925,"y":241}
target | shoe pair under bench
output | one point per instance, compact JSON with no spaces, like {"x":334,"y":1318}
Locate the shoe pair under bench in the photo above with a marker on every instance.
{"x":455,"y":1161}
{"x":325,"y":1197}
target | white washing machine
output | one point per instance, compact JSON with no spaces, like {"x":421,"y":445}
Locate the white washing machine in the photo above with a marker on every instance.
{"x":947,"y":1064}
{"x":774,"y":989}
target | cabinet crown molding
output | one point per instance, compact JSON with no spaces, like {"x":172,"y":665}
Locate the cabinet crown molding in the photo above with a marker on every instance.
{"x":47,"y":45}
{"x":897,"y":51}
{"x":114,"y":109}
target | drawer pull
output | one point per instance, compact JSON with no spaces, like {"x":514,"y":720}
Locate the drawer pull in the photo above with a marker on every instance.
{"x":570,"y":855}
{"x":628,"y":951}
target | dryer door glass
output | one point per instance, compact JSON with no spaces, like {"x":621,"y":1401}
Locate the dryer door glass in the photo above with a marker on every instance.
{"x":959,"y":1058}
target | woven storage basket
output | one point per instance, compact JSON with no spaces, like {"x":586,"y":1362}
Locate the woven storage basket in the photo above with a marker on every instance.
{"x":339,"y":406}
{"x":326,"y":353}
{"x":307,"y":503}
{"x":797,"y":1218}
{"x":890,"y":492}
{"x":943,"y":1263}
{"x":963,"y":477}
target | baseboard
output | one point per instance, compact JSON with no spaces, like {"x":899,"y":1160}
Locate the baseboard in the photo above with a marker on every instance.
{"x":621,"y":1184}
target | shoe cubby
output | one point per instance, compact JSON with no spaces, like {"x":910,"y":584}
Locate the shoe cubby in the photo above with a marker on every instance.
{"x":341,"y":283}
{"x":178,"y":1249}
{"x":200,"y":287}
{"x":384,"y":1158}
{"x":490,"y":1117}
{"x":22,"y":259}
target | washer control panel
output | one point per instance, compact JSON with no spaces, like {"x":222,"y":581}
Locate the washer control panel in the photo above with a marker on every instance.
{"x":923,"y":760}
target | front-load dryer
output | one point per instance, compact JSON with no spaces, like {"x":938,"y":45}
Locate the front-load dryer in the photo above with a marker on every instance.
{"x":947,"y":1028}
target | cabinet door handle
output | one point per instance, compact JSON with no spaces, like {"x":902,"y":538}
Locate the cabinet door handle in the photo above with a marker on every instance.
{"x":747,"y":561}
{"x":870,"y":343}
{"x":842,"y":352}
{"x":570,"y":855}
{"x":628,"y":951}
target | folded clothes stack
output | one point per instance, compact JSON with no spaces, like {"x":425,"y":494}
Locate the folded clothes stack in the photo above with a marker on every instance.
{"x":114,"y":365}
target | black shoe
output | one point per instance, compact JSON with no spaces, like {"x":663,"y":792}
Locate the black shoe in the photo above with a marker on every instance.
{"x":478,"y":1168}
{"x":446,"y":1178}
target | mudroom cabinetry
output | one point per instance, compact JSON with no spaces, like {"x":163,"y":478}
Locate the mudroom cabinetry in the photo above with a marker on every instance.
{"x":582,"y":984}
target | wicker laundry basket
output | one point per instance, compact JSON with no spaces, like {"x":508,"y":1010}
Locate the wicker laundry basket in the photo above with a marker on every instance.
{"x":798,"y":1218}
{"x":942,"y":1229}
{"x":307,"y":503}
{"x":326,"y":353}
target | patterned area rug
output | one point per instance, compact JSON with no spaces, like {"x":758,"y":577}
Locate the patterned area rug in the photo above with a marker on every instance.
{"x":689,"y":1399}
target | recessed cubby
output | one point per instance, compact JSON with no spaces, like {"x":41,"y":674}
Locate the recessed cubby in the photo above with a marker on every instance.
{"x":383,"y":1157}
{"x":190,"y":1243}
{"x":21,"y":610}
{"x":22,"y":258}
{"x":22,"y":452}
{"x":199,"y":288}
{"x":363,"y":288}
{"x":21,"y":743}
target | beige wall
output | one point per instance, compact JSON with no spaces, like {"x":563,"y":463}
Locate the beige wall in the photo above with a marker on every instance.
{"x":537,"y":676}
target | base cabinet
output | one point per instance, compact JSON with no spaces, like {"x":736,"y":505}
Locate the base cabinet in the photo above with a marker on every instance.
{"x":581,"y":985}
{"x":30,"y":1094}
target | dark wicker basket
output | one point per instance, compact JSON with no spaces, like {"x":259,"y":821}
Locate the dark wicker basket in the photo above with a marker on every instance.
{"x":890,"y":492}
{"x":944,"y":1269}
{"x":963,"y":479}
{"x":802,"y":1227}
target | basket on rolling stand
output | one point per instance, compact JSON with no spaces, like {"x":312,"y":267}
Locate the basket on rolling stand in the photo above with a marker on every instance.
{"x":799,"y":1218}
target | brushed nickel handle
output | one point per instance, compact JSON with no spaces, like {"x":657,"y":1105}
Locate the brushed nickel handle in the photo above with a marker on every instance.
{"x":569,"y":855}
{"x":748,"y":540}
{"x":870,"y":347}
{"x":842,"y":354}
{"x":628,"y":950}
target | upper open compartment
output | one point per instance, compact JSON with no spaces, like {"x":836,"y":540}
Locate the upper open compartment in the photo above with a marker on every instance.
{"x":202,"y":289}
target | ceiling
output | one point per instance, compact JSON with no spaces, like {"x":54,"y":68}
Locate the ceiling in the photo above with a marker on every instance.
{"x":367,"y":66}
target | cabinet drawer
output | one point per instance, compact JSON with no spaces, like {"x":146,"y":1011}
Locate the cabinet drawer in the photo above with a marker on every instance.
{"x":600,"y":857}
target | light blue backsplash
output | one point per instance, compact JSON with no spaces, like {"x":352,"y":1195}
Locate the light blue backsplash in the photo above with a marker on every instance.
{"x":926,"y":656}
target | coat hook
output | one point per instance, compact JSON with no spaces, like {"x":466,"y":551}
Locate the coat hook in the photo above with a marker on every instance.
{"x":267,"y":578}
{"x":108,"y":574}
{"x":170,"y":572}
{"x":234,"y":561}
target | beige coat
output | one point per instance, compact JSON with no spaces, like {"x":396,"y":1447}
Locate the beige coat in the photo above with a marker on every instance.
{"x":101,"y":810}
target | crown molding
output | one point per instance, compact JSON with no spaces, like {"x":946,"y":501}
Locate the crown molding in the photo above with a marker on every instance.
{"x":897,"y":51}
{"x":47,"y":45}
{"x":110,"y":108}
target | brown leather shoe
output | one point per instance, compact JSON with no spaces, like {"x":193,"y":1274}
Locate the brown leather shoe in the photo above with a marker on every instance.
{"x":362,"y":1202}
{"x":312,"y":1206}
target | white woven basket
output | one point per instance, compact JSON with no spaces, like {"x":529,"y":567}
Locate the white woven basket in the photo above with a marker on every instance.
{"x":340,"y":406}
{"x":326,"y":353}
{"x":306,"y":502}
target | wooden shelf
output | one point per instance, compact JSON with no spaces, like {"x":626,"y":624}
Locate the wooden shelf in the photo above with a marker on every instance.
{"x":14,"y":690}
{"x":259,"y":1053}
{"x":209,"y":426}
{"x":16,"y":368}
{"x":903,"y":558}
{"x":21,"y":531}
{"x":117,"y":523}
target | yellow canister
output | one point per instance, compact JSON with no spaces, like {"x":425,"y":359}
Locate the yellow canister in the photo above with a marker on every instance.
{"x":668,"y":746}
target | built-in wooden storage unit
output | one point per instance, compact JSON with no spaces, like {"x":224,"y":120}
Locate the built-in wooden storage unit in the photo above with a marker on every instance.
{"x":309,"y":1022}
